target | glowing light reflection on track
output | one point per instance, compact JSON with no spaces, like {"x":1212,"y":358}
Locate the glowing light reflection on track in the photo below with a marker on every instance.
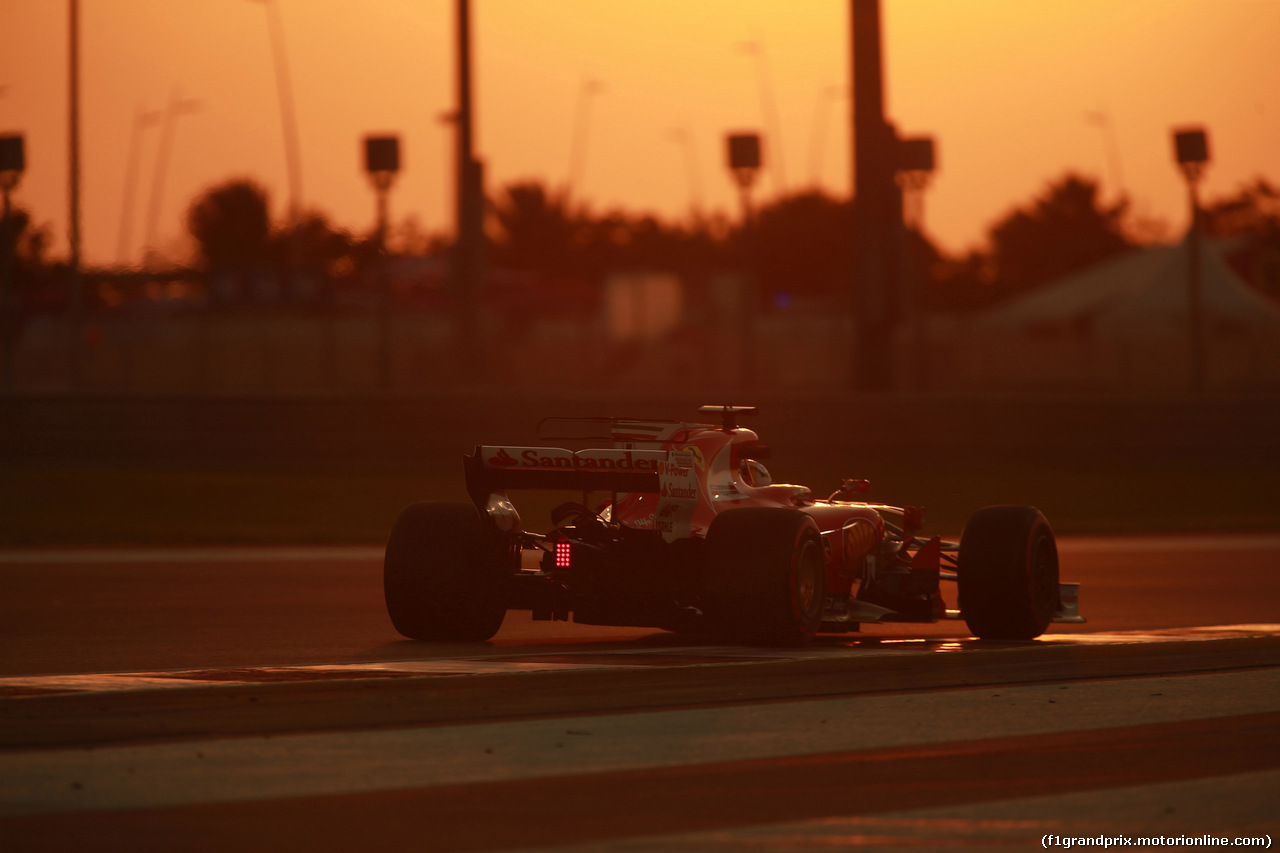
{"x":613,"y":659}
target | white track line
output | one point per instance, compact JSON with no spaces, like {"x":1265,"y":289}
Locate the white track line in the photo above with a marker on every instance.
{"x":315,"y":764}
{"x":562,"y":661}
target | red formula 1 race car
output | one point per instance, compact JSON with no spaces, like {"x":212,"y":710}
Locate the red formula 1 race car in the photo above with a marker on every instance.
{"x":690,"y":533}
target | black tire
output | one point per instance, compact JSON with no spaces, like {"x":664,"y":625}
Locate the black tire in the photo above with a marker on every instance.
{"x":767,"y":575}
{"x":443,"y":574}
{"x":1008,"y":573}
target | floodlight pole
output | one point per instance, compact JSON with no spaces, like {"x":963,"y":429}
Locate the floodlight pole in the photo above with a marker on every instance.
{"x":682,"y":136}
{"x":1195,"y":293}
{"x":876,"y":206}
{"x":6,"y":295}
{"x":382,"y":162}
{"x":142,"y":119}
{"x":915,"y":165}
{"x":768,"y":108}
{"x":582,"y":122}
{"x":1191,"y":150}
{"x":469,"y":212}
{"x":75,"y":301}
{"x":176,"y":109}
{"x":745,"y":161}
{"x":288,"y":115}
{"x":12,"y":163}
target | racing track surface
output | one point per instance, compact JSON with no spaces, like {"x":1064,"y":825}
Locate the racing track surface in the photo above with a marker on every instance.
{"x":258,"y":699}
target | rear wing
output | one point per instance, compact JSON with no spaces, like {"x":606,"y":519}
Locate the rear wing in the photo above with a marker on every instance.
{"x":498,"y":468}
{"x":670,"y":474}
{"x":627,"y":432}
{"x":621,"y":431}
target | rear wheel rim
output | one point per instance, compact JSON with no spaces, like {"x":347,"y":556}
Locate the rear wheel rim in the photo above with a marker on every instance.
{"x":1044,"y":585}
{"x":807,"y":585}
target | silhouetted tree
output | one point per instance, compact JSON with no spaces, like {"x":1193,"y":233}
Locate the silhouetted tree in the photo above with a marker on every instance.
{"x":1065,"y":229}
{"x":964,"y":283}
{"x":409,"y":237}
{"x":312,"y":243}
{"x":802,"y":246}
{"x":1253,"y":214}
{"x":28,"y":242}
{"x":35,"y":278}
{"x":11,"y":230}
{"x":537,"y":232}
{"x":1254,"y":209}
{"x":231,"y":224}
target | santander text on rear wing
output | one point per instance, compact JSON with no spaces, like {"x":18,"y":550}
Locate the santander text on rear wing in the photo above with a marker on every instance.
{"x":670,"y":474}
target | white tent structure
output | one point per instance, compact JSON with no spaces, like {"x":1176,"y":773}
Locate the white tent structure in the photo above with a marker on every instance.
{"x":1123,"y":326}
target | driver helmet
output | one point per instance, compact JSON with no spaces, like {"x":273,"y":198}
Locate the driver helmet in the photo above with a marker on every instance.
{"x":755,"y":474}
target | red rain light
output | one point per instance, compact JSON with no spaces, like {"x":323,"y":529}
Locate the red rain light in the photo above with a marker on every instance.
{"x":562,"y":555}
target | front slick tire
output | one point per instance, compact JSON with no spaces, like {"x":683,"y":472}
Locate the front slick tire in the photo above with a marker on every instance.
{"x":442,"y":575}
{"x":1007,"y":573}
{"x":767,"y":575}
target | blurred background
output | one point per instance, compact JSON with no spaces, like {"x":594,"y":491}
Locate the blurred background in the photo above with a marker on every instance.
{"x":269,"y":267}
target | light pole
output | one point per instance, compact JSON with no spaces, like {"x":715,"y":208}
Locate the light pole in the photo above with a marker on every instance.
{"x":768,"y":109}
{"x":142,"y":119}
{"x":12,"y":164}
{"x":288,"y":118}
{"x":382,"y":162}
{"x":916,"y":165}
{"x":1101,"y":119}
{"x":1191,"y":151}
{"x":581,"y":124}
{"x":682,"y":137}
{"x":818,"y":134}
{"x":468,"y":247}
{"x":75,"y":299}
{"x":745,"y":161}
{"x":176,"y":109}
{"x":876,"y":214}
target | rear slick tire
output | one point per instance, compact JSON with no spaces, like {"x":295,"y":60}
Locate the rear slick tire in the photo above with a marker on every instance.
{"x":443,"y":574}
{"x":767,"y":575}
{"x":1007,"y":573}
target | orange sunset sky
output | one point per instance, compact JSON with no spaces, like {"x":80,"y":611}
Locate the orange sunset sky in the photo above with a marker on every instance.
{"x":1015,"y":92}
